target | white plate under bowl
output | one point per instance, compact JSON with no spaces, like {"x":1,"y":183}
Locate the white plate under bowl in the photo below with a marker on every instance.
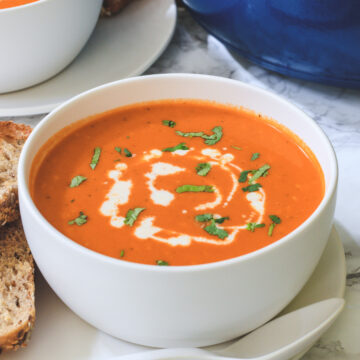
{"x":59,"y":334}
{"x":122,"y":46}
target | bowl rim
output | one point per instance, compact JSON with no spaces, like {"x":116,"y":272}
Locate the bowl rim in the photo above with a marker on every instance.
{"x":25,"y":197}
{"x":28,"y":5}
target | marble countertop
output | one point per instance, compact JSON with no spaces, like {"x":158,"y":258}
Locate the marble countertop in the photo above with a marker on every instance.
{"x":336,"y":110}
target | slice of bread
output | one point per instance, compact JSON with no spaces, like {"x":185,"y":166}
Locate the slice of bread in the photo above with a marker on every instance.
{"x":17,"y":307}
{"x":12,"y":139}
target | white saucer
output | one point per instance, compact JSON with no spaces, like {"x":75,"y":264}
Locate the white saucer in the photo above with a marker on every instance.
{"x":59,"y":334}
{"x":120,"y":47}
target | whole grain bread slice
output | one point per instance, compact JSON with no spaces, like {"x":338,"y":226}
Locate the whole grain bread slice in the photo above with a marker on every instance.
{"x":17,"y":306}
{"x":12,"y":139}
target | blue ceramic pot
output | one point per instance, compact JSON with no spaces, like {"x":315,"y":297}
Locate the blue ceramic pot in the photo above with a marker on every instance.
{"x":317,"y":40}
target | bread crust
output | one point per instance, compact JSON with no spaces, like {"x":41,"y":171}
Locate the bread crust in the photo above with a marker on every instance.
{"x":19,"y":337}
{"x":16,"y":256}
{"x":12,"y":139}
{"x":14,"y":251}
{"x":14,"y":131}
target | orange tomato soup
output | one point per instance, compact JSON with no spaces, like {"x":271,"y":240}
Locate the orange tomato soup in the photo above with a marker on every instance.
{"x":4,"y":4}
{"x":176,"y":182}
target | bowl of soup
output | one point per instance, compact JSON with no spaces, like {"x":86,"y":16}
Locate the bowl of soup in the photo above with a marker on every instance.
{"x":177,"y":210}
{"x":39,"y":38}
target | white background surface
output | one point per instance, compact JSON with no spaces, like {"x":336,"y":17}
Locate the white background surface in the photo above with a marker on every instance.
{"x":336,"y":110}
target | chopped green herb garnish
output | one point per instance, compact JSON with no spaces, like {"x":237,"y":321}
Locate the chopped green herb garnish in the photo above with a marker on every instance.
{"x":80,"y":220}
{"x":195,"y":188}
{"x":212,"y":229}
{"x":275,"y":219}
{"x":252,"y":187}
{"x":271,"y":229}
{"x":252,"y":226}
{"x":95,"y":158}
{"x":72,"y":200}
{"x":208,"y":217}
{"x":190,"y":134}
{"x":122,"y":253}
{"x":181,"y":146}
{"x":260,"y":172}
{"x":243,"y":176}
{"x":127,"y":153}
{"x":236,"y":147}
{"x":203,"y":168}
{"x":209,"y":139}
{"x":216,"y":137}
{"x":77,"y":180}
{"x":161,"y":263}
{"x":255,"y":156}
{"x":117,"y":160}
{"x":203,"y":217}
{"x":221,"y":220}
{"x":132,"y":215}
{"x":169,"y":123}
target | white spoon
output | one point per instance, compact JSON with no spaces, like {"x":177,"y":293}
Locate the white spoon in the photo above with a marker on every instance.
{"x":279,"y":339}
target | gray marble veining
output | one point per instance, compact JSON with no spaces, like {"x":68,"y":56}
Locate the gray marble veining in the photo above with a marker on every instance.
{"x":336,"y":110}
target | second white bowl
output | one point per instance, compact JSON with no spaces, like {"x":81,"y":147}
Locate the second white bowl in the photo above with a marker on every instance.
{"x":40,"y":39}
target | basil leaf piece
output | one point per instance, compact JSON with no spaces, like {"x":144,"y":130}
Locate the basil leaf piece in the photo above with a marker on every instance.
{"x":221,"y":220}
{"x":236,"y":147}
{"x":80,"y":220}
{"x":169,"y":123}
{"x":216,"y":137}
{"x":252,"y":226}
{"x":208,"y":217}
{"x":95,"y":158}
{"x":275,"y":219}
{"x":243,"y":176}
{"x":271,"y":229}
{"x":195,"y":188}
{"x":181,"y":146}
{"x":77,"y":180}
{"x":260,"y":172}
{"x":255,"y":156}
{"x":127,"y":153}
{"x":203,"y":168}
{"x":132,"y":215}
{"x":252,"y":187}
{"x":209,"y":139}
{"x":161,"y":263}
{"x":190,"y":134}
{"x":203,"y":217}
{"x":212,"y":229}
{"x":118,"y":149}
{"x":122,"y":253}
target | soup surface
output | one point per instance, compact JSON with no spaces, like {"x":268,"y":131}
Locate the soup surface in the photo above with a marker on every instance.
{"x":4,"y":4}
{"x":176,"y":182}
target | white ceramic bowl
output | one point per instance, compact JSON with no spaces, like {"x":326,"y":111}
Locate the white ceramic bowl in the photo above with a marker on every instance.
{"x":186,"y":305}
{"x":39,"y":39}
